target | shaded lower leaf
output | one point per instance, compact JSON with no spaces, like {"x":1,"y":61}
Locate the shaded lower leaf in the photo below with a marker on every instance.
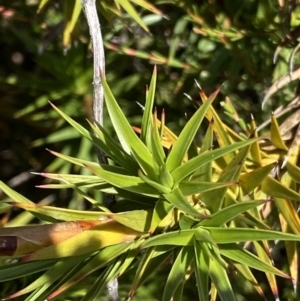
{"x":238,"y":254}
{"x":178,"y":271}
{"x":202,"y":269}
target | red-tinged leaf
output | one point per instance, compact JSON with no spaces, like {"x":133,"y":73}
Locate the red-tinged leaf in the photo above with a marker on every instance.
{"x":22,"y":240}
{"x":107,"y":234}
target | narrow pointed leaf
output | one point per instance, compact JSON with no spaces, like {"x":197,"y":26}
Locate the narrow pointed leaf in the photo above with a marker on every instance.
{"x":247,"y":273}
{"x":63,"y":213}
{"x":178,"y":271}
{"x":129,"y":140}
{"x":193,"y":187}
{"x":202,"y":269}
{"x":189,"y":167}
{"x":147,"y":116}
{"x":161,"y":210}
{"x":182,"y":144}
{"x":13,"y":194}
{"x":276,"y":138}
{"x":235,"y":235}
{"x":176,"y":238}
{"x":290,"y":214}
{"x":274,"y":188}
{"x":294,"y":171}
{"x":251,"y":180}
{"x":54,"y":273}
{"x":229,"y":213}
{"x":214,"y":199}
{"x":165,"y":177}
{"x":18,"y":270}
{"x":204,"y":172}
{"x":112,"y":148}
{"x":264,"y":255}
{"x":255,"y":149}
{"x":238,"y":254}
{"x":128,"y":7}
{"x":72,"y":11}
{"x":177,"y":199}
{"x":138,"y":220}
{"x":157,"y":186}
{"x":126,"y":182}
{"x":220,"y":279}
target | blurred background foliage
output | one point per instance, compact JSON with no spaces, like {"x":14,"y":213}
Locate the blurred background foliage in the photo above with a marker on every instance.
{"x":47,"y":56}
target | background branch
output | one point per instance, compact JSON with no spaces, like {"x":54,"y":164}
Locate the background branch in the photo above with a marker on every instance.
{"x":98,"y":103}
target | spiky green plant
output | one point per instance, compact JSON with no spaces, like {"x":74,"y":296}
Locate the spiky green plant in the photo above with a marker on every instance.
{"x":195,"y":207}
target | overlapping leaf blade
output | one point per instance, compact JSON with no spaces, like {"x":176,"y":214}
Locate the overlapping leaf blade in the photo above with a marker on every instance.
{"x":186,"y":137}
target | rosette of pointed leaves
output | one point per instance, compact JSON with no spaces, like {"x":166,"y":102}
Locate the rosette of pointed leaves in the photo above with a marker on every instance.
{"x":192,"y":206}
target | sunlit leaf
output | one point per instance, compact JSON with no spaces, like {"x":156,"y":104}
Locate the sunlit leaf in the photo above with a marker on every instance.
{"x":189,"y":167}
{"x":89,"y":241}
{"x":186,"y":137}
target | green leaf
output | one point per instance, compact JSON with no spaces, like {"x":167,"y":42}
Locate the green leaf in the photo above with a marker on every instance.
{"x":129,"y":257}
{"x":193,"y":187}
{"x":204,"y":172}
{"x":176,"y":238}
{"x":177,"y":199}
{"x":54,"y":273}
{"x":126,"y":182}
{"x":72,"y":11}
{"x":187,"y":222}
{"x":185,"y":139}
{"x":161,"y":209}
{"x":18,"y":270}
{"x":132,"y":13}
{"x":253,"y":179}
{"x":165,"y":177}
{"x":138,"y":220}
{"x":143,"y":262}
{"x":129,"y":140}
{"x":63,"y":213}
{"x":159,"y":187}
{"x":202,"y":269}
{"x":190,"y":166}
{"x":294,"y":171}
{"x":84,"y":132}
{"x":73,"y":160}
{"x":235,"y":235}
{"x":248,"y":275}
{"x":147,"y":121}
{"x":275,"y":189}
{"x":238,"y":254}
{"x":13,"y":194}
{"x":223,"y":216}
{"x":276,"y":138}
{"x":156,"y":145}
{"x":113,"y":149}
{"x":202,"y":234}
{"x":214,"y":199}
{"x":70,"y":178}
{"x":220,"y":279}
{"x":178,"y":271}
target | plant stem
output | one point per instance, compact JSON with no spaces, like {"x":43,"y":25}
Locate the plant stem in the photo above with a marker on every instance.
{"x":98,"y":103}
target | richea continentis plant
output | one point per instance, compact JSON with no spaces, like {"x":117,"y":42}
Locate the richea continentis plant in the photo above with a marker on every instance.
{"x":198,"y":210}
